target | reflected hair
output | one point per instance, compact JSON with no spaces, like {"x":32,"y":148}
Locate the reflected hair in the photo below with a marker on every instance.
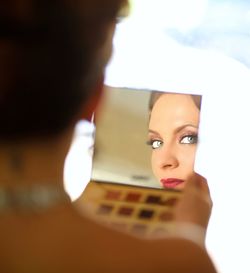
{"x":155,"y":95}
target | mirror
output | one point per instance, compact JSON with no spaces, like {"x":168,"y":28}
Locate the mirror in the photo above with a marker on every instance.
{"x":145,"y":138}
{"x":144,"y":151}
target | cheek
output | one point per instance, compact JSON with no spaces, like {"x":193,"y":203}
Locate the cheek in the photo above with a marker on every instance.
{"x":154,"y":164}
{"x":187,"y":159}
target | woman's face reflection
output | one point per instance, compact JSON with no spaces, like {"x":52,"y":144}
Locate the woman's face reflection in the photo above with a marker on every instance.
{"x":173,"y":129}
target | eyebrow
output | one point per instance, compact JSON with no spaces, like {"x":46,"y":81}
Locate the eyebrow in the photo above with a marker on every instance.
{"x":177,"y":130}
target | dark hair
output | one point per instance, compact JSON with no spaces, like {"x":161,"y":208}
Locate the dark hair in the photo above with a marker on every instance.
{"x":156,"y":94}
{"x":49,"y":61}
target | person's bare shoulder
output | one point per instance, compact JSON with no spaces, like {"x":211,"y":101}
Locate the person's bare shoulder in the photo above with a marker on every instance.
{"x":66,"y":241}
{"x":108,"y":250}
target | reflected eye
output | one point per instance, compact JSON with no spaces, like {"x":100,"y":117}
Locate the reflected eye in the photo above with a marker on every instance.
{"x":155,"y":144}
{"x":189,"y":139}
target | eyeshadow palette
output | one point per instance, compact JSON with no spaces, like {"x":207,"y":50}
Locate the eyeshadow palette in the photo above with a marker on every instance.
{"x":137,"y":210}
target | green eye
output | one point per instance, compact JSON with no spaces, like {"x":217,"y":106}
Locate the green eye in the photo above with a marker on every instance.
{"x":189,"y":139}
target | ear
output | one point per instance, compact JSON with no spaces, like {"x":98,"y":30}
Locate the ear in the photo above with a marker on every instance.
{"x":92,"y":102}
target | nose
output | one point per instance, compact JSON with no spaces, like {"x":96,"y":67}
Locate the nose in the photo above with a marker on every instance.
{"x":167,"y":157}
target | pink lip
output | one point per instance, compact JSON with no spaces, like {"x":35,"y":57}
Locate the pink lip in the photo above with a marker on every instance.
{"x":171,"y":182}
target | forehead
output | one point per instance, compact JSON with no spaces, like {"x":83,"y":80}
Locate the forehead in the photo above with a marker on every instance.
{"x":175,"y":108}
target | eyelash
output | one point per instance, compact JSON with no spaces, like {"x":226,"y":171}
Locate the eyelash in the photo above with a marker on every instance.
{"x":151,"y":142}
{"x":192,"y":135}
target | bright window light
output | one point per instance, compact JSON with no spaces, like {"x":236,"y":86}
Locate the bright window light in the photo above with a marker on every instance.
{"x":77,"y":170}
{"x":180,"y":14}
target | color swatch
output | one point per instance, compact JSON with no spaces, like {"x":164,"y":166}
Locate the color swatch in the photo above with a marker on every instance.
{"x":140,"y":211}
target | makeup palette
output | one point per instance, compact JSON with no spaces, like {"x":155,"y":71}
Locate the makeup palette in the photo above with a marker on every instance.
{"x":137,"y":210}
